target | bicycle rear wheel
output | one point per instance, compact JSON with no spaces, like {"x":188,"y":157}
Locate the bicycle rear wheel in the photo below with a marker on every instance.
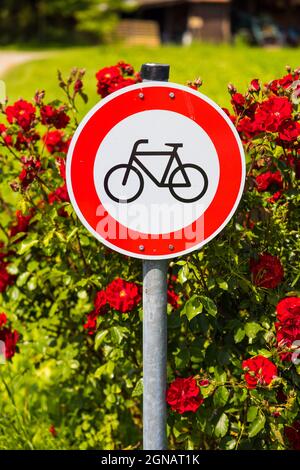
{"x":198,"y":179}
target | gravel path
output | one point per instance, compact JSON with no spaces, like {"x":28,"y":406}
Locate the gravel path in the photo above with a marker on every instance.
{"x":9,"y":59}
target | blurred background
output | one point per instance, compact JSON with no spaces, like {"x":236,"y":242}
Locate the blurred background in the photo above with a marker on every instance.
{"x":219,"y":40}
{"x":150,"y":22}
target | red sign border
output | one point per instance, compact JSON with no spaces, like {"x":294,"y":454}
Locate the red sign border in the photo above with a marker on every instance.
{"x":123,"y":103}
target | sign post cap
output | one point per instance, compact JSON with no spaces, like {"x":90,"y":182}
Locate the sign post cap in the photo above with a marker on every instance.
{"x":156,"y":72}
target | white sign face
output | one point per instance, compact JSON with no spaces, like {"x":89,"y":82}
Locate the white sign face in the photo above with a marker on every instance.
{"x":173,"y":171}
{"x":155,"y":170}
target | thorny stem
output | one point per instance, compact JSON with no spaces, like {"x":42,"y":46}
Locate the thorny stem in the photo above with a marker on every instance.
{"x":4,"y":231}
{"x":87,"y":268}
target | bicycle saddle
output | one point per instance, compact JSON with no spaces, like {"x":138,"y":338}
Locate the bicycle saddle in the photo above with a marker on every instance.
{"x":174,"y":145}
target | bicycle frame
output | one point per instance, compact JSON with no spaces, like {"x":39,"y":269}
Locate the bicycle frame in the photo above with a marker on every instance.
{"x":173,"y":156}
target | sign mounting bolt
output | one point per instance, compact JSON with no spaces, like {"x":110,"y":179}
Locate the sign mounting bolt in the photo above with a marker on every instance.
{"x":141,"y":96}
{"x":171,"y":247}
{"x":172,"y":95}
{"x":141,"y":247}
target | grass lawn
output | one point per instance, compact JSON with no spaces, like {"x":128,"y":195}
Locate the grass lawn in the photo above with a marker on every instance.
{"x":216,"y":64}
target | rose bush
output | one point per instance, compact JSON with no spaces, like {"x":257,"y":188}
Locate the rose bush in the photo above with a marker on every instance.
{"x":71,"y":308}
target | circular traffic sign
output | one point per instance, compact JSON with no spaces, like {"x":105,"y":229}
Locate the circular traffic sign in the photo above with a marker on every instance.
{"x":155,"y":170}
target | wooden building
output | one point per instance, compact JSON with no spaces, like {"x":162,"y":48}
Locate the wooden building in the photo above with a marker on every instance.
{"x":183,"y":21}
{"x":178,"y":21}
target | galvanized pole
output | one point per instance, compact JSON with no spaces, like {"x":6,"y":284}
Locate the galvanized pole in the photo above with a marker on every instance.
{"x":154,"y":327}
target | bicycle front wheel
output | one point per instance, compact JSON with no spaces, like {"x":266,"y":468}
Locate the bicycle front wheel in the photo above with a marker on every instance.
{"x":197,"y":178}
{"x":114,"y":188}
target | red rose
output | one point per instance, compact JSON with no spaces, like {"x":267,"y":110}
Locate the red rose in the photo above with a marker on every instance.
{"x":122,"y":295}
{"x":204,"y":383}
{"x":267,"y":271}
{"x":21,"y":113}
{"x":259,"y":371}
{"x":254,"y":85}
{"x":272,"y":112}
{"x":21,"y":224}
{"x":126,"y":68}
{"x":293,"y":434}
{"x":173,"y":298}
{"x":269,"y":181}
{"x":6,"y":137}
{"x":91,"y":323}
{"x":59,"y":195}
{"x":113,"y":78}
{"x":184,"y":395}
{"x":276,"y":196}
{"x":238,"y":101}
{"x":55,"y":141}
{"x":107,"y":77}
{"x":288,"y":325}
{"x":286,"y":81}
{"x":23,"y":142}
{"x":10,"y":339}
{"x":52,"y":430}
{"x":78,"y":85}
{"x":273,"y":86}
{"x":247,"y":127}
{"x":289,"y":131}
{"x":100,"y":301}
{"x":55,"y":117}
{"x":31,"y":168}
{"x":121,"y":84}
{"x":5,"y":278}
{"x":288,"y":308}
{"x":3,"y":319}
{"x":61,"y":162}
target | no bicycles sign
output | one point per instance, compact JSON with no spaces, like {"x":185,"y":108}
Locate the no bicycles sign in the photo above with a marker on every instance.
{"x":155,"y":170}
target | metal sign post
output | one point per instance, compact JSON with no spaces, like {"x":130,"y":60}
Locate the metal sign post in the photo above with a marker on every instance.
{"x":154,"y":353}
{"x":154,"y":327}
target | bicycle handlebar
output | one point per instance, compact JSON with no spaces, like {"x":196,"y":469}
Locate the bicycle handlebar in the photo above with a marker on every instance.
{"x":146,"y":141}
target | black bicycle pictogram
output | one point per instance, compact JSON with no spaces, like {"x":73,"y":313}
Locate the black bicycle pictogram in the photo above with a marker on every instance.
{"x":167,"y":181}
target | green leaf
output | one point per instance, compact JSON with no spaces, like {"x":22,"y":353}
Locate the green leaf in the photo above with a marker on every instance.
{"x":257,"y":425}
{"x":60,"y":236}
{"x":14,"y":293}
{"x":117,"y":334}
{"x":99,"y":338}
{"x":251,"y":329}
{"x":182,"y":358}
{"x":72,"y":233}
{"x":26,"y":244}
{"x":23,"y":278}
{"x":221,"y":396}
{"x":183,"y":274}
{"x":222,"y":426}
{"x":192,"y":308}
{"x":32,"y":283}
{"x":138,"y":389}
{"x":220,"y":375}
{"x":12,"y":269}
{"x":230,"y":445}
{"x":209,"y":305}
{"x":239,"y":335}
{"x":252,"y":413}
{"x":223,"y":285}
